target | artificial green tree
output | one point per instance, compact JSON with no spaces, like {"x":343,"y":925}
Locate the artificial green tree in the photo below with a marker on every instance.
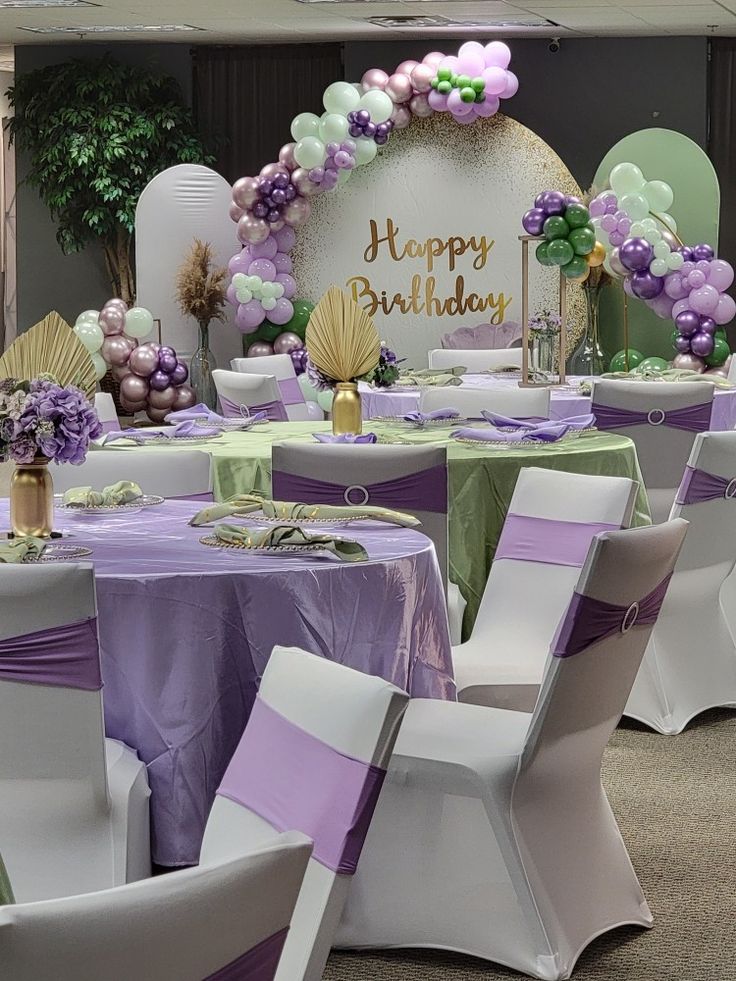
{"x":96,"y":132}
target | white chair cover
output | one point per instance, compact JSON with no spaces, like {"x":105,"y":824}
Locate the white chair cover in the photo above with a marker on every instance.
{"x":185,"y":473}
{"x":282,"y":368}
{"x":690,"y":662}
{"x":502,"y":663}
{"x":251,"y":391}
{"x":355,"y":714}
{"x":73,"y":806}
{"x":185,"y":926}
{"x":522,"y":403}
{"x":493,"y":835}
{"x":662,"y":450}
{"x":484,"y":336}
{"x":106,"y":412}
{"x":475,"y":361}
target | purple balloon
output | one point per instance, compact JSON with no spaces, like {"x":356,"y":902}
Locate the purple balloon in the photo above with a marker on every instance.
{"x":167,"y":359}
{"x":533,"y":221}
{"x":686,"y":252}
{"x":702,"y":344}
{"x":708,"y":325}
{"x":682,"y":344}
{"x":617,"y":238}
{"x":636,"y":254}
{"x":285,"y":239}
{"x":572,"y":199}
{"x":289,"y":284}
{"x":180,"y":374}
{"x":240,"y":262}
{"x":282,"y":312}
{"x":661,"y":305}
{"x":553,"y":202}
{"x":674,"y":286}
{"x":705,"y":299}
{"x":263,"y":268}
{"x":645,"y":285}
{"x":597,"y":208}
{"x":283,"y":263}
{"x":687,"y":323}
{"x":263,"y":250}
{"x":703,"y":251}
{"x":260,"y":209}
{"x":159,"y":380}
{"x":250,"y":316}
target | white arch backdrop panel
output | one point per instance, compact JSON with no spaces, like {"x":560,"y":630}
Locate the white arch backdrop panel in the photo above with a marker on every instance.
{"x":180,"y":204}
{"x":463,"y":190}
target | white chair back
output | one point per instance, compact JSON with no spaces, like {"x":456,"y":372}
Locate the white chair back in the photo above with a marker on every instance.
{"x":699,"y":612}
{"x":282,"y":368}
{"x":662,"y":449}
{"x":349,"y":467}
{"x":185,"y":926}
{"x":475,"y":361}
{"x":522,"y":403}
{"x":185,"y":474}
{"x":106,"y":412}
{"x":243,"y":394}
{"x":357,"y":716}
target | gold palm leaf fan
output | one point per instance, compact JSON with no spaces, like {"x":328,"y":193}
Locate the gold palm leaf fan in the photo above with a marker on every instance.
{"x":50,"y":346}
{"x":340,"y":338}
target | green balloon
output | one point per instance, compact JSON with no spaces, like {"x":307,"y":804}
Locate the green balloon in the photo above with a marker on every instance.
{"x":722,"y":334}
{"x":720,"y":352}
{"x":268,"y":332}
{"x":559,"y":252}
{"x":575,"y":267}
{"x":300,"y":319}
{"x":555,"y":227}
{"x":582,"y":240}
{"x":444,"y":74}
{"x":467,"y":94}
{"x":542,"y":256}
{"x":478,"y":84}
{"x":464,"y":81}
{"x":577,"y":215}
{"x":653,"y":364}
{"x":618,"y":361}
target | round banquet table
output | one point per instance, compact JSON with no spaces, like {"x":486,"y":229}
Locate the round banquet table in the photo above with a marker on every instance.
{"x":186,"y":631}
{"x":481,"y":480}
{"x":565,"y":401}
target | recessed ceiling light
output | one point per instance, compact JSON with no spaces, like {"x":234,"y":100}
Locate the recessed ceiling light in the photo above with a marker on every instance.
{"x":18,"y":4}
{"x":115,"y":29}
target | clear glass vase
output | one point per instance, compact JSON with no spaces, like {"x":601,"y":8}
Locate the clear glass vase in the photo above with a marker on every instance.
{"x":201,"y":367}
{"x":589,"y":358}
{"x":543,"y":352}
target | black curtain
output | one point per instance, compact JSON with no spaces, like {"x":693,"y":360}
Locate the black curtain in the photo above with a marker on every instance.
{"x":246,"y":97}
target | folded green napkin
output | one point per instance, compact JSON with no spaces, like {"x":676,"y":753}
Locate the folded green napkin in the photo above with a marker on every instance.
{"x":438,"y":377}
{"x":17,"y":549}
{"x":242,"y":504}
{"x":123,"y":492}
{"x":671,"y":375}
{"x":283,"y":535}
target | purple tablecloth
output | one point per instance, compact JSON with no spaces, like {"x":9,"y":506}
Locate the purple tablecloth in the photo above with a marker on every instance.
{"x":564,"y":402}
{"x":186,"y":632}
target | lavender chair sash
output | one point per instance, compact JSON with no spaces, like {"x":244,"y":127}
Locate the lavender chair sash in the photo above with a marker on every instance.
{"x":531,"y":539}
{"x":425,"y":490}
{"x":296,"y":782}
{"x":110,"y":425}
{"x":66,"y":657}
{"x":692,"y":418}
{"x":275,"y":411}
{"x":291,"y":393}
{"x":590,"y":620}
{"x":257,"y":964}
{"x":699,"y":485}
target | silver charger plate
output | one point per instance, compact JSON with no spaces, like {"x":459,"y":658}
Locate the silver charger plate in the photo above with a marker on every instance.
{"x":532,"y":443}
{"x":146,"y":500}
{"x":229,"y":425}
{"x":428,"y":424}
{"x":297,"y":522}
{"x":59,"y":553}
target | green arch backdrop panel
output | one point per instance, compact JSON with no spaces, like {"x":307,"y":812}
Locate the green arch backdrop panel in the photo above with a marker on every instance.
{"x":663,"y":155}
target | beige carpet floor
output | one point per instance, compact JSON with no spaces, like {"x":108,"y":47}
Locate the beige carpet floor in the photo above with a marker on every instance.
{"x":675,"y":800}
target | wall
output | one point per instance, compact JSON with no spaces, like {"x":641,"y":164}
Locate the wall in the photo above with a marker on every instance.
{"x":47,"y":279}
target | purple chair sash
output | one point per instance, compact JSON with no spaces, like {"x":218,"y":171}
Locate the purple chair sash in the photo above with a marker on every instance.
{"x":66,"y":657}
{"x":275,"y":411}
{"x":699,"y":485}
{"x":296,"y":782}
{"x":291,"y":393}
{"x":110,"y":425}
{"x":531,"y":539}
{"x":692,"y":418}
{"x":257,"y":964}
{"x":425,"y":490}
{"x":590,"y":620}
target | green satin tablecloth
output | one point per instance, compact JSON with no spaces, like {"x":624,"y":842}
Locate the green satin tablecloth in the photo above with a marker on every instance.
{"x":481,"y":480}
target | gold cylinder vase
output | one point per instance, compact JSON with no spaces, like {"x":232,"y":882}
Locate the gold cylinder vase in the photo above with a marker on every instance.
{"x":347,"y":415}
{"x":32,"y":499}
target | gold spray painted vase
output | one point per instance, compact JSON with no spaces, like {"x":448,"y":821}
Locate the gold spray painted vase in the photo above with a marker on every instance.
{"x":32,"y":499}
{"x":347,"y":416}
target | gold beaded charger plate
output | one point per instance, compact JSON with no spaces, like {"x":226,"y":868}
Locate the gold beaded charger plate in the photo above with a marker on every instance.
{"x":129,"y":507}
{"x":214,"y":542}
{"x":59,"y":553}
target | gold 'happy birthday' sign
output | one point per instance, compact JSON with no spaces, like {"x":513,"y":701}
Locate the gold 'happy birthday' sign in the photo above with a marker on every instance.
{"x":450,"y":254}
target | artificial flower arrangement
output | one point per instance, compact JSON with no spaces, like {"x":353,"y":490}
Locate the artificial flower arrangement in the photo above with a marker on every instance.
{"x":384,"y":375}
{"x":544,"y":323}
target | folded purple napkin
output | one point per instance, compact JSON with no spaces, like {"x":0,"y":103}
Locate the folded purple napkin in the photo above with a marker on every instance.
{"x":429,"y":416}
{"x":195,"y":412}
{"x":169,"y":432}
{"x":548,"y":433}
{"x":573,"y":422}
{"x":346,"y":438}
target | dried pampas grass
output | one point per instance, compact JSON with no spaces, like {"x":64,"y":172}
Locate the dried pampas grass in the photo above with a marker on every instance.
{"x":51,"y":347}
{"x":200,"y":288}
{"x":340,"y":338}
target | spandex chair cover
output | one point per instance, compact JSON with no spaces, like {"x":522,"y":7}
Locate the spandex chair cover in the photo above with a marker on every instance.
{"x":519,"y":403}
{"x":73,"y":805}
{"x":475,"y":361}
{"x":690,"y":663}
{"x":282,"y":368}
{"x":662,"y":418}
{"x":313,"y":758}
{"x":551,"y":521}
{"x":224,"y":921}
{"x":106,"y":412}
{"x":241,"y":394}
{"x":186,"y":473}
{"x":493,"y":835}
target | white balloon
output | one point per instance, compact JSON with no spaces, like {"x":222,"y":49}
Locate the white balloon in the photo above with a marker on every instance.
{"x":308,"y":390}
{"x":378,"y":104}
{"x":659,"y":267}
{"x":652,"y":235}
{"x":341,"y":97}
{"x":659,"y":195}
{"x":138,"y":322}
{"x":305,"y":124}
{"x":100,"y":365}
{"x":324,"y":399}
{"x":637,"y":229}
{"x":90,"y":334}
{"x":88,"y":316}
{"x":333,"y":128}
{"x":365,"y":150}
{"x":675,"y":260}
{"x":669,"y":221}
{"x":661,"y":250}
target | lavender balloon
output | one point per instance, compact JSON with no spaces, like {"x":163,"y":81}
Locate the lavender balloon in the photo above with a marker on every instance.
{"x":636,"y":254}
{"x":682,"y":344}
{"x":702,"y":344}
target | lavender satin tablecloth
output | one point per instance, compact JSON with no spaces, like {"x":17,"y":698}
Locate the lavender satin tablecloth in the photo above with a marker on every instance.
{"x":186,"y":631}
{"x":564,"y":402}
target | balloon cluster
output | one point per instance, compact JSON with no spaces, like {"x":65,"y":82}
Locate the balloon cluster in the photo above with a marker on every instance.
{"x":151,"y":376}
{"x":679,"y":282}
{"x":278,"y":197}
{"x":361,"y":124}
{"x":340,"y":156}
{"x":262,"y":283}
{"x":472,"y":84}
{"x":569,"y":235}
{"x":273,"y":194}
